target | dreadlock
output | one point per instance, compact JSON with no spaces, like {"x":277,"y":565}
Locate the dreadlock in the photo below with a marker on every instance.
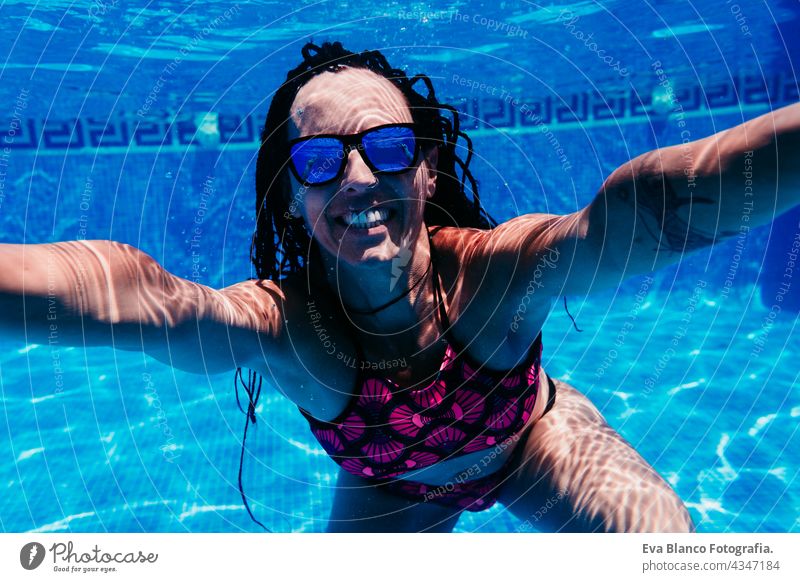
{"x":280,"y":239}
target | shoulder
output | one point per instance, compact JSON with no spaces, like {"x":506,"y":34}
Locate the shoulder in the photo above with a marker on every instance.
{"x":255,"y":293}
{"x":483,"y":289}
{"x":503,"y":248}
{"x":535,"y":228}
{"x":453,"y":243}
{"x":263,"y":306}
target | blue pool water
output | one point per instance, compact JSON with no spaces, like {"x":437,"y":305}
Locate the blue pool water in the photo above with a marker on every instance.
{"x":117,"y":116}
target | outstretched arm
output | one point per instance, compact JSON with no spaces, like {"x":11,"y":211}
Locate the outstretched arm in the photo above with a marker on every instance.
{"x":658,"y":207}
{"x":107,"y":293}
{"x":672,"y":201}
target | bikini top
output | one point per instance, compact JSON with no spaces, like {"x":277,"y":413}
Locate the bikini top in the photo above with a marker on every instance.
{"x":385,"y":431}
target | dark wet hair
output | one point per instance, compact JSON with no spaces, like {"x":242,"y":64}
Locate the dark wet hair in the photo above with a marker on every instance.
{"x":281,"y":240}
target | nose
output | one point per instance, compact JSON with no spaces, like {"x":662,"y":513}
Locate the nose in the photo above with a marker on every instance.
{"x":357,"y":175}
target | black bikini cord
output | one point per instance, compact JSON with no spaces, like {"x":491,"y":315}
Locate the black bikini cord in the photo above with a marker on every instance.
{"x":253,"y":390}
{"x":575,"y":325}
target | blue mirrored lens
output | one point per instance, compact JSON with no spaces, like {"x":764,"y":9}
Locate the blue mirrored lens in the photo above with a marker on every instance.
{"x":317,"y":160}
{"x":390,"y":149}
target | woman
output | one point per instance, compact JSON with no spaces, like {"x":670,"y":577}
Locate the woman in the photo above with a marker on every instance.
{"x":401,"y":323}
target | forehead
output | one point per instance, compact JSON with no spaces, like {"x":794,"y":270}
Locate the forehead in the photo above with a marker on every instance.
{"x":348,"y":101}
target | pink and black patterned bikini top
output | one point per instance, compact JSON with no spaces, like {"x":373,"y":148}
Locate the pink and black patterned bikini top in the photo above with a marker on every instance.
{"x":386,"y":431}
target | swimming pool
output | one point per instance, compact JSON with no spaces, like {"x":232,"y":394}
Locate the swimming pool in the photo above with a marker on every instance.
{"x":140,"y":124}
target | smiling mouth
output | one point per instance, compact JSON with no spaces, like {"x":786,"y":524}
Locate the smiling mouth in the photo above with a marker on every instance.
{"x":366,"y":219}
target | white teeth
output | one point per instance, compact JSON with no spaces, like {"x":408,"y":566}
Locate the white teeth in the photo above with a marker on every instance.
{"x":367,"y":218}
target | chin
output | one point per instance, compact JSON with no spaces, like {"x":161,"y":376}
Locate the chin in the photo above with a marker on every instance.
{"x":372,"y":257}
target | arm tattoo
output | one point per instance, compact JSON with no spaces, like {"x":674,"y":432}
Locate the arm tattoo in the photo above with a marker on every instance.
{"x":656,"y":200}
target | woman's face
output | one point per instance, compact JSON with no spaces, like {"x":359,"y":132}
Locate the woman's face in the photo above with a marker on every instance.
{"x":346,"y":102}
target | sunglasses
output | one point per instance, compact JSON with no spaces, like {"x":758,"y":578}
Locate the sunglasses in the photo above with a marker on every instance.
{"x":317,"y":160}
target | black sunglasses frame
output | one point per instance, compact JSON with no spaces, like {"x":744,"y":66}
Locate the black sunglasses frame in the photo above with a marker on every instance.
{"x":354,"y":141}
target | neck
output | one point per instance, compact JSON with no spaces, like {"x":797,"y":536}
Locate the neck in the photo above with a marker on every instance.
{"x":365,"y":289}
